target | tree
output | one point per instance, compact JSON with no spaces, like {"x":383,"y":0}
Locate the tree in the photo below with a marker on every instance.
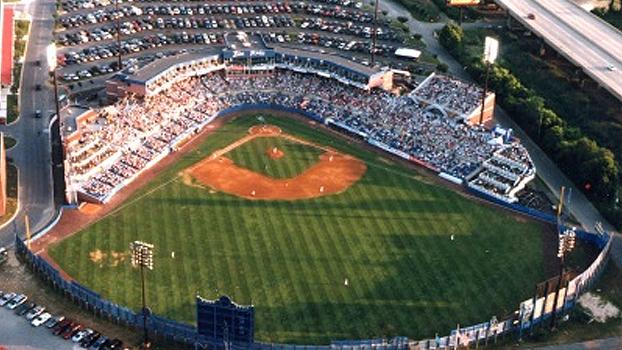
{"x":442,"y":67}
{"x":451,"y":37}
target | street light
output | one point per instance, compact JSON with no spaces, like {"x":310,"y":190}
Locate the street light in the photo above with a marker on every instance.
{"x":142,"y":256}
{"x":491,"y":50}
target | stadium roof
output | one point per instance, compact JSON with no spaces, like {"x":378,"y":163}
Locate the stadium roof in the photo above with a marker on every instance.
{"x":344,"y":62}
{"x":142,"y":75}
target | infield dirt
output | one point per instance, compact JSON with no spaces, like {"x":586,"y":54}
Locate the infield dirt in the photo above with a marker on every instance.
{"x":333,"y":173}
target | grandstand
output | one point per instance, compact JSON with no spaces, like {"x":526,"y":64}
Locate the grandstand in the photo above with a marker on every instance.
{"x":166,"y":102}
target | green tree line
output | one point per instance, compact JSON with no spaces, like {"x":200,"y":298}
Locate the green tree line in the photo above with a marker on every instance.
{"x":591,"y":167}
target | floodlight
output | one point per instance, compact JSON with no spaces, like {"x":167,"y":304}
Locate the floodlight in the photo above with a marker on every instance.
{"x":491,"y":50}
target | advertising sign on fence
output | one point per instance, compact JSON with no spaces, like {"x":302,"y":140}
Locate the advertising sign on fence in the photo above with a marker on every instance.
{"x":225,"y":321}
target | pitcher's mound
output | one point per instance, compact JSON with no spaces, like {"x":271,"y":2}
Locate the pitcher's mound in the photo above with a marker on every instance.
{"x":274,"y":153}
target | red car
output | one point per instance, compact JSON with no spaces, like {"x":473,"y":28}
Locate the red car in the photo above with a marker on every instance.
{"x":61,"y":326}
{"x":70,"y":331}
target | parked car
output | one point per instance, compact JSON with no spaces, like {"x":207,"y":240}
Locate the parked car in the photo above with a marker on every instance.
{"x":114,"y":344}
{"x":99,"y":343}
{"x":52,"y":322}
{"x":41,"y":319}
{"x":90,"y":339}
{"x":38,"y":113}
{"x":24,"y":309}
{"x":6,"y":298}
{"x":80,"y":335}
{"x":71,"y":331}
{"x":34,"y":312}
{"x":16,"y":301}
{"x":62,"y":326}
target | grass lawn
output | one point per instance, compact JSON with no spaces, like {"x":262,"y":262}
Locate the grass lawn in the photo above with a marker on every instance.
{"x":12,"y":108}
{"x":388,"y":234}
{"x":296,"y":158}
{"x":11,"y":199}
{"x":9,"y":142}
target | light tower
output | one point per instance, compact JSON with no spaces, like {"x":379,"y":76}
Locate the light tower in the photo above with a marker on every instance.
{"x":566,"y":243}
{"x":491,"y":51}
{"x":142,"y":257}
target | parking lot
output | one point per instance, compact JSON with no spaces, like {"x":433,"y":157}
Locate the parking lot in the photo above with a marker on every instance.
{"x":16,"y":332}
{"x":86,"y":32}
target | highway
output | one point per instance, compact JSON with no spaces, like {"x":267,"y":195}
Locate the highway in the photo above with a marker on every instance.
{"x":32,"y":154}
{"x":579,"y":36}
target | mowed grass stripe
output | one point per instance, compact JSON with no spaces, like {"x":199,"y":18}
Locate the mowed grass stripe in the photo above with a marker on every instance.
{"x":389,"y":234}
{"x":361,"y":254}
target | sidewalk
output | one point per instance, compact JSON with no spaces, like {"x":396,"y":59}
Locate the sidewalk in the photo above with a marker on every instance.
{"x":3,"y":105}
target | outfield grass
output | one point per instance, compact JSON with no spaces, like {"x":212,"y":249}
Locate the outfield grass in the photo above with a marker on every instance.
{"x":389,"y":235}
{"x":297,"y":157}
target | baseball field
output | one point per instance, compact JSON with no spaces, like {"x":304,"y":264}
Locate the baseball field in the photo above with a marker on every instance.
{"x":371,"y":249}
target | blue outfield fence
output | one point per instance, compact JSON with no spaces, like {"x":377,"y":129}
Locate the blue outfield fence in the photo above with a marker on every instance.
{"x":483,"y":333}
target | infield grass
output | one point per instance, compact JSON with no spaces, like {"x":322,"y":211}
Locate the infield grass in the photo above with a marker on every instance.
{"x":297,"y":157}
{"x":389,"y":235}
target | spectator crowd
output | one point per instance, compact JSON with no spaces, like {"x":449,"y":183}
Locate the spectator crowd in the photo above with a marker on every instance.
{"x":136,"y":132}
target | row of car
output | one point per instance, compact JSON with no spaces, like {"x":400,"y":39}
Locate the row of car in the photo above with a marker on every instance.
{"x":130,"y":64}
{"x":77,"y":5}
{"x":349,"y":28}
{"x":230,"y":11}
{"x":133,"y":45}
{"x":66,"y":328}
{"x":315,"y":39}
{"x":109,"y":31}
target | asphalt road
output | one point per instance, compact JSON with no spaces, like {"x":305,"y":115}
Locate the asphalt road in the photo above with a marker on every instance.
{"x":578,"y":35}
{"x":17,"y":333}
{"x":32,"y":154}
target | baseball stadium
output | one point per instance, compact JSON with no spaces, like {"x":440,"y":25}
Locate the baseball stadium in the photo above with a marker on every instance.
{"x":311,"y":189}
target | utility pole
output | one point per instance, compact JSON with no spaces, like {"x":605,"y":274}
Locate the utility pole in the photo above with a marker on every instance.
{"x":118,"y":22}
{"x":374,"y":34}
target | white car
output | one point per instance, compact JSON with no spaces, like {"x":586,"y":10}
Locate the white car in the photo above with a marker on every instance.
{"x":78,"y":337}
{"x":17,"y":301}
{"x":36,"y":311}
{"x":41,"y":319}
{"x":611,"y":67}
{"x":5,"y":298}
